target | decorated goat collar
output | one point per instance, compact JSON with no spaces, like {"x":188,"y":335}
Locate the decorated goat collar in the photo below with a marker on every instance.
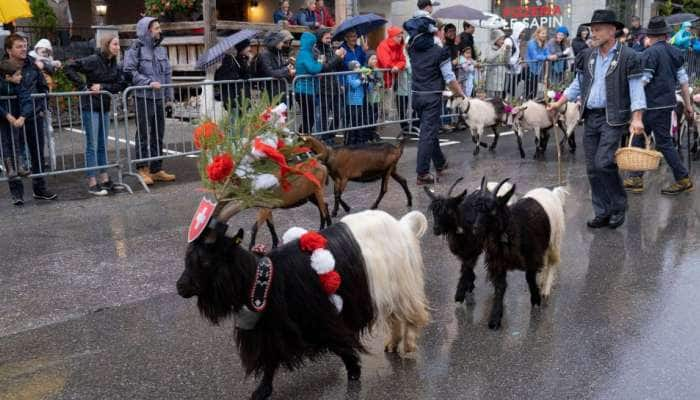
{"x":248,"y":317}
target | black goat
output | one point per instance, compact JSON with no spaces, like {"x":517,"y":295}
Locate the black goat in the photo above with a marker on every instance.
{"x":525,"y":236}
{"x":296,"y":320}
{"x":451,"y":219}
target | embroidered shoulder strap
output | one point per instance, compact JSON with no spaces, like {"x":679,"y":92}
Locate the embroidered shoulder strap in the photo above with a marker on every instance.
{"x":261,"y":286}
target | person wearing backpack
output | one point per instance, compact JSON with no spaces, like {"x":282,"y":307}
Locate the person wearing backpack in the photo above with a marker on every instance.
{"x":147,"y":63}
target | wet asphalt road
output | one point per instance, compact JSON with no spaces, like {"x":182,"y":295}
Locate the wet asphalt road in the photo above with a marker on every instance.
{"x":88,"y":308}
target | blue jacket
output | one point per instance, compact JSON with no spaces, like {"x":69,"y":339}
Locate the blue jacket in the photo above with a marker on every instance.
{"x":33,"y":82}
{"x":279,"y":15}
{"x":146,"y":61}
{"x":355,"y":90}
{"x":307,"y":65}
{"x":358,"y":55}
{"x":18,"y":95}
{"x":536,"y":53}
{"x":306,"y":18}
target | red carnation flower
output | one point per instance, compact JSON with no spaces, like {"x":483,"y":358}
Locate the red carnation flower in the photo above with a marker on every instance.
{"x":267,"y":115}
{"x":220,"y":168}
{"x":280,"y":143}
{"x":330,"y":282}
{"x":311,"y":241}
{"x":205,"y":131}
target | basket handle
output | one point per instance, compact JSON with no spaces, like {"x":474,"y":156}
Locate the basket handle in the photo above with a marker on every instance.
{"x":647,"y":141}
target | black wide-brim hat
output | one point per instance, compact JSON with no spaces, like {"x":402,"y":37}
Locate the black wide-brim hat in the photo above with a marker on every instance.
{"x":605,"y":17}
{"x":658,"y":27}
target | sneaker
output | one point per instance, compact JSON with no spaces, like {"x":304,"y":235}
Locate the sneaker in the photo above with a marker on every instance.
{"x":162,"y":176}
{"x":425,"y":179}
{"x":146,"y":175}
{"x":634,"y":184}
{"x":44,"y":194}
{"x":97,"y":190}
{"x":108,"y":186}
{"x":684,"y":185}
{"x":17,"y":201}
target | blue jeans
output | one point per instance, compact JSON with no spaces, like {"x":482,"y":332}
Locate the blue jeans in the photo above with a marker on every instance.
{"x":659,"y":122}
{"x":428,"y":107}
{"x":600,"y":143}
{"x":96,"y":126}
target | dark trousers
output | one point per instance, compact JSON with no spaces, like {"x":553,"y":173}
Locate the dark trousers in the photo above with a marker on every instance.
{"x":12,"y":140}
{"x":531,"y":85}
{"x":659,"y":122}
{"x":355,"y":116}
{"x":600,"y":143}
{"x":402,"y":107}
{"x":306,"y":104}
{"x":330,"y":107}
{"x":428,"y":107}
{"x":150,"y":121}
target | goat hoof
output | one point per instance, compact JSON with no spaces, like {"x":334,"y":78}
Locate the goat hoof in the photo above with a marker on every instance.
{"x":535,"y":300}
{"x":545,"y":300}
{"x":263,"y":392}
{"x":334,"y":214}
{"x":476,"y":150}
{"x":522,"y":154}
{"x":492,"y":148}
{"x":459,"y":297}
{"x":494,"y":325}
{"x":354,"y":373}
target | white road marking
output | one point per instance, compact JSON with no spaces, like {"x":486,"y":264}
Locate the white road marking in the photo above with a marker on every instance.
{"x":131,"y":142}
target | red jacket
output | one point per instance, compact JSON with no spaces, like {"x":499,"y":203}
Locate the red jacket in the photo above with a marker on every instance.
{"x":324,"y":17}
{"x":390,"y":54}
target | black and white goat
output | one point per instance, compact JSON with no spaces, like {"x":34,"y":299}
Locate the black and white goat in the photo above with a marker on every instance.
{"x":454,"y":219}
{"x":525,"y":236}
{"x":479,"y":114}
{"x":378,"y":259}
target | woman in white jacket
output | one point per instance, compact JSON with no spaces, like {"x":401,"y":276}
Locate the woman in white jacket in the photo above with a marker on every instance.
{"x":514,"y":75}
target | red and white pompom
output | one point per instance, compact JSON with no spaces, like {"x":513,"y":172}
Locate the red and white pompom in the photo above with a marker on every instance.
{"x":322,"y":260}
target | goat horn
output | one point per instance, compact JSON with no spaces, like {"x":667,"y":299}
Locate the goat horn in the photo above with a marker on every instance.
{"x":429,"y":192}
{"x":453,"y":185}
{"x":483,"y":184}
{"x":498,"y":188}
{"x":227,"y":209}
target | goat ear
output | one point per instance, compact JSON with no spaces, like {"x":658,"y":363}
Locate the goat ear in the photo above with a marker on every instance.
{"x":239,"y":237}
{"x":503,"y":200}
{"x":430,"y":193}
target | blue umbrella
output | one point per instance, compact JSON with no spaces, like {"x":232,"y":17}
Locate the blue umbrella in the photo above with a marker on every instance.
{"x":216,"y":53}
{"x":362,"y":24}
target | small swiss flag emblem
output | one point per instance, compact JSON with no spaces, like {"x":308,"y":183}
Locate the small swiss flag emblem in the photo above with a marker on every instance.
{"x":201,"y":219}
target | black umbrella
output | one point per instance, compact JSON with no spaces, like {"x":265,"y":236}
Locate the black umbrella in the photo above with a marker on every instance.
{"x":677,"y":19}
{"x":362,"y":24}
{"x":216,"y":53}
{"x":459,"y":12}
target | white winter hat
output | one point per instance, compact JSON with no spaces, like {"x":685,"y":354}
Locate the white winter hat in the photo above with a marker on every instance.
{"x":43,"y":43}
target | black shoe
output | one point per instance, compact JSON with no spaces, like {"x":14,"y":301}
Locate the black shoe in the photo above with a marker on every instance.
{"x":97,"y":190}
{"x":17,"y":201}
{"x":441,"y":170}
{"x":44,"y":194}
{"x":616,"y":220}
{"x":108,"y":186}
{"x":425,"y":179}
{"x":598,"y":222}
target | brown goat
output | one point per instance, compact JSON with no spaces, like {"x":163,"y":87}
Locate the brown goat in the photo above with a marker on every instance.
{"x":301,"y":191}
{"x":360,"y":163}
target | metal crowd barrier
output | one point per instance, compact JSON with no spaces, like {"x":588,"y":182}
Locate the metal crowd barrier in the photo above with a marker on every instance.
{"x":163,"y":119}
{"x":350,"y":102}
{"x":55,"y":142}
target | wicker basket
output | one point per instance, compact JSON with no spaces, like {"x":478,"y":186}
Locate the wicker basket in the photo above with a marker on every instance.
{"x":635,"y":159}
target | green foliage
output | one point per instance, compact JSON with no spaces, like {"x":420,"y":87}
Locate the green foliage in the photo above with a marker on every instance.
{"x":666,"y":8}
{"x":171,"y":7}
{"x":63,"y":84}
{"x":43,"y":17}
{"x":238,"y":134}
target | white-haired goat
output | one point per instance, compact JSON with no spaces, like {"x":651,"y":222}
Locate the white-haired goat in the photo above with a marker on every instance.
{"x":533,"y":115}
{"x":525,"y":236}
{"x":479,"y":114}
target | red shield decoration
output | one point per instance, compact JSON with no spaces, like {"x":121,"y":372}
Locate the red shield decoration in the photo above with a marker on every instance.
{"x":201,"y":219}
